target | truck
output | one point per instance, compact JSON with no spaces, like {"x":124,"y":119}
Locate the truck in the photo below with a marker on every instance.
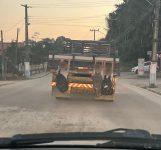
{"x":85,"y":70}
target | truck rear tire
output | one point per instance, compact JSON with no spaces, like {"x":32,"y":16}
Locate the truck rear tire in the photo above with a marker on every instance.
{"x":136,"y":72}
{"x":52,"y":91}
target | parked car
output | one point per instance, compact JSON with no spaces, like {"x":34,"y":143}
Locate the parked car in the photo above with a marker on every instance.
{"x":146,"y":67}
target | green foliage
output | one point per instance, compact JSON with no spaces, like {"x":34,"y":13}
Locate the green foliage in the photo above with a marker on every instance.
{"x":13,"y":56}
{"x":59,"y":45}
{"x":39,"y":51}
{"x":11,"y":53}
{"x":130,"y":29}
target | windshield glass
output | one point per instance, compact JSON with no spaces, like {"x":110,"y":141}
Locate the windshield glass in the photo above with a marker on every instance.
{"x":79,"y":66}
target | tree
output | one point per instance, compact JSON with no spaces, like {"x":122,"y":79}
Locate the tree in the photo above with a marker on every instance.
{"x":130,"y":29}
{"x":39,"y":51}
{"x":14,"y":55}
{"x":59,"y":46}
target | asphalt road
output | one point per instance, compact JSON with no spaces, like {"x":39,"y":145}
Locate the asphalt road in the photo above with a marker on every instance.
{"x":28,"y":107}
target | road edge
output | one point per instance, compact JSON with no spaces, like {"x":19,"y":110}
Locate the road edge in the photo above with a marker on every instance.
{"x":152,"y":90}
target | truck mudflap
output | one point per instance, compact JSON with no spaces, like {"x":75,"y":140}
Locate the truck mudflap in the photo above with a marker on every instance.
{"x":81,"y":91}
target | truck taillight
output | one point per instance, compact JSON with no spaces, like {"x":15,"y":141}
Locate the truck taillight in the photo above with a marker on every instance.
{"x":83,"y":68}
{"x":53,"y":83}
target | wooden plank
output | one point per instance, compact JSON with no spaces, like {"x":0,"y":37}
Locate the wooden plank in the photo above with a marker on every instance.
{"x":67,"y":95}
{"x":104,"y":59}
{"x":62,"y":57}
{"x":83,"y":58}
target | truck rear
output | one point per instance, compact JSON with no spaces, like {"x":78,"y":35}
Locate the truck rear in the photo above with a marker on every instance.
{"x":84,"y":76}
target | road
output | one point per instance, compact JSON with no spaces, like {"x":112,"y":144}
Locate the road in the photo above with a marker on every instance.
{"x":28,"y":107}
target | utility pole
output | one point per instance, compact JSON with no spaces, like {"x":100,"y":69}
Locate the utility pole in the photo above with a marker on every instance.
{"x":94,"y":31}
{"x":26,"y":24}
{"x":27,"y":59}
{"x":3,"y":57}
{"x":16,"y":61}
{"x":153,"y":65}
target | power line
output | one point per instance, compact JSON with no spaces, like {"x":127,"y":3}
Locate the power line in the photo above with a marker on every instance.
{"x":14,"y":26}
{"x":71,"y":25}
{"x":67,"y":18}
{"x":66,"y":22}
{"x":74,"y":4}
{"x":85,"y":35}
{"x":71,"y":20}
{"x":73,"y":7}
{"x":101,"y":32}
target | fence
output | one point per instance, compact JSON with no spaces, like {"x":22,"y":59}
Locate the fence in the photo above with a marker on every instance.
{"x":35,"y":69}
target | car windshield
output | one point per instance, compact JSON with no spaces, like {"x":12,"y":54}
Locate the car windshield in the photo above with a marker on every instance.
{"x":79,"y":66}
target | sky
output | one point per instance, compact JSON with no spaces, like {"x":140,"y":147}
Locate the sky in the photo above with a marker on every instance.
{"x":52,"y":18}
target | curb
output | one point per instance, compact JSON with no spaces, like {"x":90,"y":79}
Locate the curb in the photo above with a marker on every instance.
{"x":39,"y":76}
{"x":5,"y":84}
{"x":151,"y":90}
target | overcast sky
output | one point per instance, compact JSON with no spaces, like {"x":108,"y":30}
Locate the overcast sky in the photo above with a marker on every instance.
{"x":53,"y":18}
